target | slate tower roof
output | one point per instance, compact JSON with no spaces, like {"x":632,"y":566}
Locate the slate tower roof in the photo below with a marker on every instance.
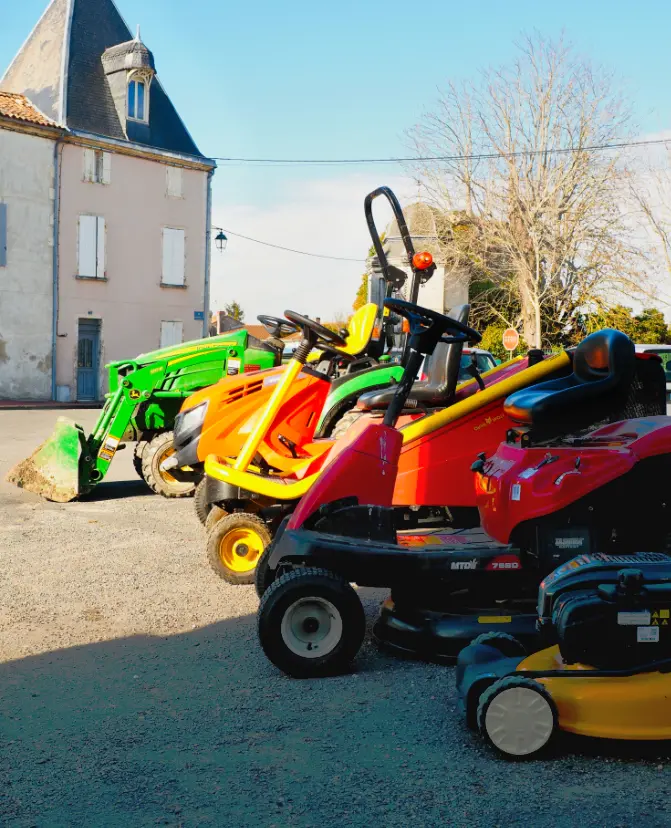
{"x":60,"y":68}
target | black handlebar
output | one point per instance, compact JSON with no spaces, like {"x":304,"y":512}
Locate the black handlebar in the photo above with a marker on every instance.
{"x":276,"y":326}
{"x":312,"y":332}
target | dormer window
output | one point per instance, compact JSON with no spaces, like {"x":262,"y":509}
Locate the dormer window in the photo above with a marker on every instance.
{"x":138,"y":100}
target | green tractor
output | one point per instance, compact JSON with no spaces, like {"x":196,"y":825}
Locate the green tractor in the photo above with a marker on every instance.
{"x":145,"y":395}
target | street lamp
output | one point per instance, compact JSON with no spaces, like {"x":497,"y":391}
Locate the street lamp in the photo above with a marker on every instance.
{"x":221,"y":241}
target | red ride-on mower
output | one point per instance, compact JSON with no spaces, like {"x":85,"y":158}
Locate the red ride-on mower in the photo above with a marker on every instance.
{"x":553,"y":490}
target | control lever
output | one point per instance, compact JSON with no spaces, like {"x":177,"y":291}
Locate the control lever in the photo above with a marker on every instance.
{"x":472,"y":369}
{"x":479,"y":465}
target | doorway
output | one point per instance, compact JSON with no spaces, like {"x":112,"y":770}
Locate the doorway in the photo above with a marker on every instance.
{"x":88,"y":357}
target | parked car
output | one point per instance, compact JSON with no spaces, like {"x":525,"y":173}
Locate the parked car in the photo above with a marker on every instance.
{"x":664,"y":352}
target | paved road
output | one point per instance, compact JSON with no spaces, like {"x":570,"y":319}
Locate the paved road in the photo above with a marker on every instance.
{"x":134,"y":694}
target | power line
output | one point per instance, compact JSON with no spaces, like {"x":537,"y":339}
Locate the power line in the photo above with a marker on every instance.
{"x":483,"y":156}
{"x":291,"y":250}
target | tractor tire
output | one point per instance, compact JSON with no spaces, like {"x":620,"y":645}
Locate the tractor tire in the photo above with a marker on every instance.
{"x":140,"y":446}
{"x":202,"y":507}
{"x":311,"y":623}
{"x":162,"y":482}
{"x":234,"y":545}
{"x":348,"y":419}
{"x":517,"y":717}
{"x":215,"y":514}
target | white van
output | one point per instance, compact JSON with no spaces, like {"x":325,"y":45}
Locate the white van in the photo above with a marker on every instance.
{"x":664,"y":352}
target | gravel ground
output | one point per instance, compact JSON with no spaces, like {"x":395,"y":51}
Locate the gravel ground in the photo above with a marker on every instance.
{"x":134,"y":693}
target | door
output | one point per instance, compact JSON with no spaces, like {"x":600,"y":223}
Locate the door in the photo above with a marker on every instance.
{"x":88,"y":356}
{"x":171,"y":333}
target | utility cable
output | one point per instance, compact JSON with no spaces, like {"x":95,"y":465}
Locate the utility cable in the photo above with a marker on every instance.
{"x":483,"y":156}
{"x":291,"y":249}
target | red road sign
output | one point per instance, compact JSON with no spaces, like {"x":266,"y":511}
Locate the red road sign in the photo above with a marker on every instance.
{"x":511,"y":339}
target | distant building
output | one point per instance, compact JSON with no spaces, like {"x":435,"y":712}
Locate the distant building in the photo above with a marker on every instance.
{"x":130,"y":202}
{"x":27,"y":142}
{"x":447,"y":287}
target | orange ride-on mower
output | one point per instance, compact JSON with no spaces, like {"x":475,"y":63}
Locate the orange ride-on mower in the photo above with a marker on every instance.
{"x":218,"y":419}
{"x":558,"y":485}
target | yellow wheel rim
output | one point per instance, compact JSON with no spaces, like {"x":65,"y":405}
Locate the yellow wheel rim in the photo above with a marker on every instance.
{"x":167,"y":477}
{"x":239,"y":549}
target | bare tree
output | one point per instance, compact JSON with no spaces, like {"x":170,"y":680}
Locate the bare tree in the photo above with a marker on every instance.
{"x":650,"y":190}
{"x":530,"y":206}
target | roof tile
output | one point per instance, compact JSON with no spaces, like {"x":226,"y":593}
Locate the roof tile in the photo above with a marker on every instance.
{"x":20,"y":108}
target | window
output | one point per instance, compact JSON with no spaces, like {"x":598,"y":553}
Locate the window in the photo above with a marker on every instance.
{"x":483,"y":362}
{"x":137,"y":101}
{"x":97,"y":166}
{"x":171,"y":333}
{"x":3,"y":235}
{"x":174,"y":181}
{"x":173,"y":257}
{"x":91,"y":247}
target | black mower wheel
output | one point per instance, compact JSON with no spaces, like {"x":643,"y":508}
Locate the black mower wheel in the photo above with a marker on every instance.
{"x":159,"y":481}
{"x":517,"y":717}
{"x":215,"y":514}
{"x":311,"y":623}
{"x":234,"y":545}
{"x":140,"y":446}
{"x":263,"y":577}
{"x":201,"y":505}
{"x":506,"y":644}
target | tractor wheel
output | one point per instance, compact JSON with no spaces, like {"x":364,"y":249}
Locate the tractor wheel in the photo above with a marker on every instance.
{"x":140,"y":446}
{"x":215,"y":514}
{"x":234,"y":545}
{"x":348,"y":419}
{"x":159,"y":481}
{"x":517,"y":716}
{"x":311,"y":623}
{"x":202,"y":507}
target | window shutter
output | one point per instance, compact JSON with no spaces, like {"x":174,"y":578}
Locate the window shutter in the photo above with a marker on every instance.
{"x":107,"y":167}
{"x":173,"y":256}
{"x":88,"y":232}
{"x":174,"y":176}
{"x":3,"y":235}
{"x":100,"y":251}
{"x":171,"y":333}
{"x":89,"y":165}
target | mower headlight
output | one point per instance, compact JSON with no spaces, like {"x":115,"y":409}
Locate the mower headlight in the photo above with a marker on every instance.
{"x":194,"y":417}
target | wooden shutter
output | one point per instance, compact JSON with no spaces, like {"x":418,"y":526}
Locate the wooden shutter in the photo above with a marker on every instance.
{"x":88,"y":244}
{"x":171,"y":333}
{"x":174,"y":179}
{"x":3,"y":235}
{"x":89,"y":165}
{"x":173,"y":256}
{"x":107,"y":168}
{"x":100,"y":248}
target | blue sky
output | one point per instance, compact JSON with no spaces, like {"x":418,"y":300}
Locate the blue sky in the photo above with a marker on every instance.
{"x":314,"y":79}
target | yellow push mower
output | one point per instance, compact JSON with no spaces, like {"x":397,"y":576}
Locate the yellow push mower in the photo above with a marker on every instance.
{"x":606,"y":674}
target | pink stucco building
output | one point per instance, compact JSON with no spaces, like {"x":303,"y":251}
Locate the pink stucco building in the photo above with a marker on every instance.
{"x":131,"y":191}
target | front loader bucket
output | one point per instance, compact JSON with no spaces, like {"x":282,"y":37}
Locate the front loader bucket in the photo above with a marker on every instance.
{"x":52,"y":470}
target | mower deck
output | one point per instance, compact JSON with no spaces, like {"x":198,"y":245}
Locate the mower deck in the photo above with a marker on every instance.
{"x":440,"y":636}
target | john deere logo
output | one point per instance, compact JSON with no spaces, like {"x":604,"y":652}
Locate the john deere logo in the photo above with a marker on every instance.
{"x":134,"y":394}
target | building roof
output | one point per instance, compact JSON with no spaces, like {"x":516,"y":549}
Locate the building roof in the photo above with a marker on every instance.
{"x":60,"y":69}
{"x":19,"y":108}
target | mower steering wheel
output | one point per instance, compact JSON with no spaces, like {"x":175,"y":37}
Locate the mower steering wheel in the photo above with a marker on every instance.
{"x":320,"y":331}
{"x":276,"y":326}
{"x":422,"y":320}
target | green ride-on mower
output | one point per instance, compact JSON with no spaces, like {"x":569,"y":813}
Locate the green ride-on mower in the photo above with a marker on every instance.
{"x":145,"y":395}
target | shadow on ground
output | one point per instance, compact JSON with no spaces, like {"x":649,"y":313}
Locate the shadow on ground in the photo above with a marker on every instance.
{"x":199,"y":729}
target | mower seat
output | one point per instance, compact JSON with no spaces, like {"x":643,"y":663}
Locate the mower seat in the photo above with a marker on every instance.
{"x":604,"y":364}
{"x":438,"y":390}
